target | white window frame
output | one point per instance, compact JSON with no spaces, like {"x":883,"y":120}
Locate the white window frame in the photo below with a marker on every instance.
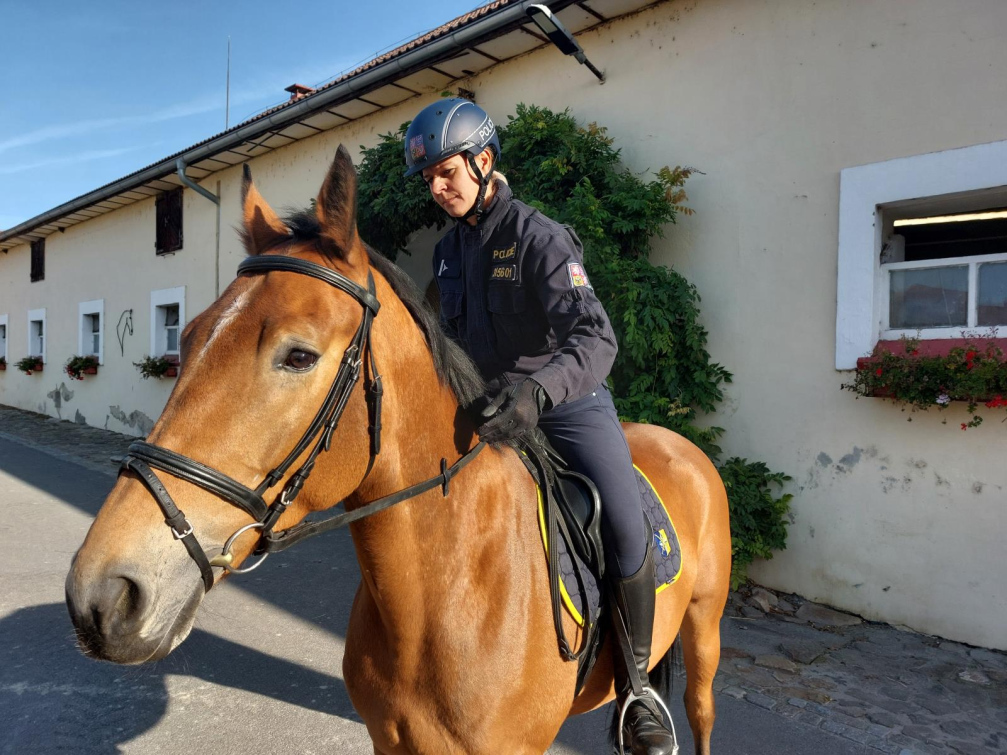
{"x":36,"y":315}
{"x":159,"y":299}
{"x":862,"y":286}
{"x":85,"y":308}
{"x":6,"y":337}
{"x":972,"y":263}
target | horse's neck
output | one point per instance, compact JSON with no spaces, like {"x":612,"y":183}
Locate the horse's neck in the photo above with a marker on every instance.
{"x":414,"y":555}
{"x":422,"y":425}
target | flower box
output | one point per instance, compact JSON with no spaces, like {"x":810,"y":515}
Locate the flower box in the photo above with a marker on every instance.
{"x":77,"y":367}
{"x":157,"y":367}
{"x":922,"y":375}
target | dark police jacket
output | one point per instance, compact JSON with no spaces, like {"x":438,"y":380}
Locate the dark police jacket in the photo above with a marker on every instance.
{"x":514,"y":294}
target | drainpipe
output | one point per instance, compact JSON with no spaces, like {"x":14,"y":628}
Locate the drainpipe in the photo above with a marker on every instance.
{"x":215,"y":198}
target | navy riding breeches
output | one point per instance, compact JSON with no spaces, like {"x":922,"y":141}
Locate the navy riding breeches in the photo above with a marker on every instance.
{"x":588,"y":436}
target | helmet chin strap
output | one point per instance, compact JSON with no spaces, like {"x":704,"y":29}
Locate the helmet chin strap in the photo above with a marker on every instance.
{"x":477,"y":208}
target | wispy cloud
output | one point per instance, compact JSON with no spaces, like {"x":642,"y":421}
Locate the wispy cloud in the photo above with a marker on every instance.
{"x":97,"y":154}
{"x":77,"y":128}
{"x":205,"y":103}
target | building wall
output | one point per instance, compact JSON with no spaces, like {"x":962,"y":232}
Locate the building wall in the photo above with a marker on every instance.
{"x":898,"y":521}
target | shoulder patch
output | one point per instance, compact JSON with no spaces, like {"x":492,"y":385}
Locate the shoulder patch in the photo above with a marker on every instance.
{"x":577,"y":275}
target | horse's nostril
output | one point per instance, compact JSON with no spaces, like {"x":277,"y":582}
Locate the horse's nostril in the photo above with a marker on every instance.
{"x":129,"y":600}
{"x":117,"y":606}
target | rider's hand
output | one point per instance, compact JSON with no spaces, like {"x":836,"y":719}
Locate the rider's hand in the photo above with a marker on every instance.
{"x":514,"y":411}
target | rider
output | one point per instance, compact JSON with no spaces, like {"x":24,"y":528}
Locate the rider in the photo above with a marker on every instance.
{"x":515,"y":295}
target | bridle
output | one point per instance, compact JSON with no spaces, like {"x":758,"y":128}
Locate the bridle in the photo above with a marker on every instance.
{"x":142,"y":456}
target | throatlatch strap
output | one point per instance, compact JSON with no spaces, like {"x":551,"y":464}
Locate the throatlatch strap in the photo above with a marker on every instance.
{"x":173,"y":517}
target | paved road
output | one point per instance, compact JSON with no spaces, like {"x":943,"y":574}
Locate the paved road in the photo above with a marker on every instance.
{"x":260,"y":672}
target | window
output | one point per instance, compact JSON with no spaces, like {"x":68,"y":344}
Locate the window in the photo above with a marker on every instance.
{"x":37,"y":260}
{"x":3,"y":338}
{"x":167,"y":321}
{"x":922,"y":249}
{"x":944,"y":274}
{"x":90,"y":340}
{"x":168,"y":236}
{"x":36,"y":333}
{"x":170,"y":328}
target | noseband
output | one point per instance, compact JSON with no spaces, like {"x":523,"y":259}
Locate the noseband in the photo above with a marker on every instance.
{"x":142,"y":456}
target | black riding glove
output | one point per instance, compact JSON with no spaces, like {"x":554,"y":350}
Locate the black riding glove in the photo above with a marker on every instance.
{"x":514,"y":411}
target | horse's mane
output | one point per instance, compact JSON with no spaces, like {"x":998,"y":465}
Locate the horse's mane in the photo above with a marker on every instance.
{"x":454,"y":367}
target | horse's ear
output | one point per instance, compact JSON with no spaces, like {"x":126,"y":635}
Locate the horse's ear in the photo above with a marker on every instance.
{"x":336,"y":208}
{"x":263,"y":229}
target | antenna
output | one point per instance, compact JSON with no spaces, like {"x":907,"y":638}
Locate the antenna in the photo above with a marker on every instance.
{"x":227,"y":101}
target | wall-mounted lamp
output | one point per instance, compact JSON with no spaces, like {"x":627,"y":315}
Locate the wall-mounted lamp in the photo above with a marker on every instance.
{"x":559,"y":36}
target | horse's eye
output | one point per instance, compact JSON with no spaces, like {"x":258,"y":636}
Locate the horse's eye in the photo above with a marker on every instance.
{"x":300,"y":360}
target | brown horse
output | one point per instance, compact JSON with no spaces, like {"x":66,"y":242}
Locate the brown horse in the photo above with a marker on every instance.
{"x":451,"y":646}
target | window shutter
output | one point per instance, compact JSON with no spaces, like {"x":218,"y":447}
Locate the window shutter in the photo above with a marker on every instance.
{"x":37,"y":260}
{"x":168,"y":221}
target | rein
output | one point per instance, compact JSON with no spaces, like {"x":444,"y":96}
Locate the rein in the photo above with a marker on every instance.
{"x":141,"y":456}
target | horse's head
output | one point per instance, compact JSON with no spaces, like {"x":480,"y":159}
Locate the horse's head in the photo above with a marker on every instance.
{"x":257,"y":365}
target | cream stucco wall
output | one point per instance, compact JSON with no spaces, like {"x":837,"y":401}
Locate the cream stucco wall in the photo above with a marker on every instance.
{"x":898,"y":521}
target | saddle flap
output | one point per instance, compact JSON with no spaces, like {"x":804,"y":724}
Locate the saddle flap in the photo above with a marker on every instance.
{"x":580,"y":505}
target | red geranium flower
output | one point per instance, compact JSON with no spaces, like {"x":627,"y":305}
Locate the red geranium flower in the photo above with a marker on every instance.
{"x":878,"y":372}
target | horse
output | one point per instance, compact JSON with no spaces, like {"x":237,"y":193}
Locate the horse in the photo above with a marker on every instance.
{"x":451,"y":645}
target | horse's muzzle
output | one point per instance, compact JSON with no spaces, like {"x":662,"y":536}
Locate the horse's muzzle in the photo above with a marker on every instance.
{"x":113,"y":622}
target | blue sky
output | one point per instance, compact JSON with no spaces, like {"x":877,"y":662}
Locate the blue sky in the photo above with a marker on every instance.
{"x":90,"y":92}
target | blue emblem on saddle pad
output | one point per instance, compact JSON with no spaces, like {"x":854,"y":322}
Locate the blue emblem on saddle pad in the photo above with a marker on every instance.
{"x":661,"y":542}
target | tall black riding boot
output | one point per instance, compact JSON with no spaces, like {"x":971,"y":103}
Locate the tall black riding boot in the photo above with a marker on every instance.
{"x":644,"y":731}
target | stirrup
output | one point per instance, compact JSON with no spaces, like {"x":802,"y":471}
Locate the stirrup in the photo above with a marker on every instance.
{"x":648,"y":693}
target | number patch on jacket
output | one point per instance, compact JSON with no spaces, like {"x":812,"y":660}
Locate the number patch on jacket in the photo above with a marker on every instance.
{"x":504,"y":273}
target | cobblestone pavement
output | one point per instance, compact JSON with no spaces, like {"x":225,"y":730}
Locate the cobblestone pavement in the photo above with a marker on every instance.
{"x":895,"y":691}
{"x":88,"y":446}
{"x":888,"y":690}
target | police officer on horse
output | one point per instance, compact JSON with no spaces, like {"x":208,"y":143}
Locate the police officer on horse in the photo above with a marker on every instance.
{"x":515,"y":295}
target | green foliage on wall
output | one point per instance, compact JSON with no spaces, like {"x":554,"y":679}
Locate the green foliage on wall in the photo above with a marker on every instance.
{"x":663,"y":374}
{"x":758,"y":519}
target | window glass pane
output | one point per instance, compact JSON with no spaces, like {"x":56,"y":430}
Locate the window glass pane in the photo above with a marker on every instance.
{"x":171,"y":315}
{"x":172,"y":339}
{"x":94,"y":343}
{"x":993,"y":293}
{"x":933,"y":298}
{"x":94,"y":322}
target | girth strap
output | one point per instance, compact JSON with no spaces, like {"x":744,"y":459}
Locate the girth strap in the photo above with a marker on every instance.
{"x":173,"y":517}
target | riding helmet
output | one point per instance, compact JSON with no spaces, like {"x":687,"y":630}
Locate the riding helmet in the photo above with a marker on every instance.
{"x":445,"y":128}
